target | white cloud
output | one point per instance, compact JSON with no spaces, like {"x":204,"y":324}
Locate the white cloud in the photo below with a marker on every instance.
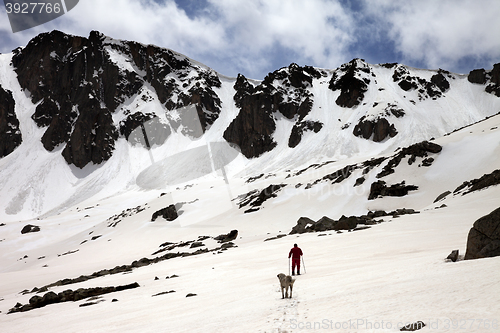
{"x":441,"y":33}
{"x":256,"y":36}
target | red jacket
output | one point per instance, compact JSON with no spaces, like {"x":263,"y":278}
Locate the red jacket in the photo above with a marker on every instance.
{"x":295,"y":253}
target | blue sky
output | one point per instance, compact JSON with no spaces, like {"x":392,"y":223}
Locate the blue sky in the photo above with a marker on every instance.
{"x":254,"y":37}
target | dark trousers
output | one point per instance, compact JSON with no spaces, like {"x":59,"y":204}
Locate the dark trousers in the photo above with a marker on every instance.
{"x":295,"y":262}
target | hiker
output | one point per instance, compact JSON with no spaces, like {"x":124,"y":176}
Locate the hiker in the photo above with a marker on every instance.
{"x":295,"y":253}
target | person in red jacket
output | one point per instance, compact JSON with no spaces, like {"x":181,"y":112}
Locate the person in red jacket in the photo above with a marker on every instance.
{"x":295,"y":253}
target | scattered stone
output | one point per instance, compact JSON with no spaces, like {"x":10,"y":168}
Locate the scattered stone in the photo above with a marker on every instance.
{"x":484,"y":237}
{"x":191,"y":295}
{"x":360,"y":181}
{"x":114,"y":300}
{"x":273,"y":238}
{"x":164,"y":293}
{"x":30,"y":228}
{"x":453,"y":256}
{"x":197,"y":244}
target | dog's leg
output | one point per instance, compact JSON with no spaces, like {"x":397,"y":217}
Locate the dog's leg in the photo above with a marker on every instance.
{"x":291,"y":289}
{"x":282,"y":293}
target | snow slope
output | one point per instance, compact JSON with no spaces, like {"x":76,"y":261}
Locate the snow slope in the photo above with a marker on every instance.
{"x":373,"y":280}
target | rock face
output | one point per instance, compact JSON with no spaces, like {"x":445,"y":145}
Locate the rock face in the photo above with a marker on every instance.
{"x":284,"y":91}
{"x":352,"y":80}
{"x":10,"y":135}
{"x":78,"y":85}
{"x":484,"y":237}
{"x":300,"y":128}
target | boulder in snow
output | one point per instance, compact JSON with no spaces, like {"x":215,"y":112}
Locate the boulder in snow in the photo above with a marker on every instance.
{"x":30,"y":228}
{"x":484,"y":237}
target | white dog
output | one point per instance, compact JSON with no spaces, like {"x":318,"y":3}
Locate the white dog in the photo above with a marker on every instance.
{"x":286,"y":282}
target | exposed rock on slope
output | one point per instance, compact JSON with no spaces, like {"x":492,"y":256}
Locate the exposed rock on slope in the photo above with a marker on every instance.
{"x":377,"y":130}
{"x":352,"y":80}
{"x":380,"y":189}
{"x":10,"y":135}
{"x":285,"y":91}
{"x":79,"y":83}
{"x":491,"y":78}
{"x":426,"y":89}
{"x":484,"y":237}
{"x":485,"y":181}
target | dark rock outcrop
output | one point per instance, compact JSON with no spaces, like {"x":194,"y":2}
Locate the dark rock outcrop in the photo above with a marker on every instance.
{"x":484,"y":237}
{"x":301,"y":225}
{"x":69,"y":296}
{"x":256,"y":198}
{"x":59,"y":70}
{"x":30,"y":228}
{"x":352,"y":80}
{"x":425,"y":89}
{"x":421,"y":149}
{"x":487,"y":180}
{"x":489,"y":78}
{"x":10,"y":135}
{"x":254,"y":125}
{"x":299,"y":129}
{"x":380,"y":189}
{"x":477,"y":76}
{"x":442,"y":196}
{"x":284,"y":91}
{"x":224,"y":238}
{"x":168,"y":213}
{"x":440,"y":81}
{"x":494,"y":86}
{"x":376,"y":130}
{"x":305,"y":224}
{"x":78,"y":86}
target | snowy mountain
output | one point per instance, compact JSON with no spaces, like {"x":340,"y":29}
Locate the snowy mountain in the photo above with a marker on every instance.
{"x":122,"y":162}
